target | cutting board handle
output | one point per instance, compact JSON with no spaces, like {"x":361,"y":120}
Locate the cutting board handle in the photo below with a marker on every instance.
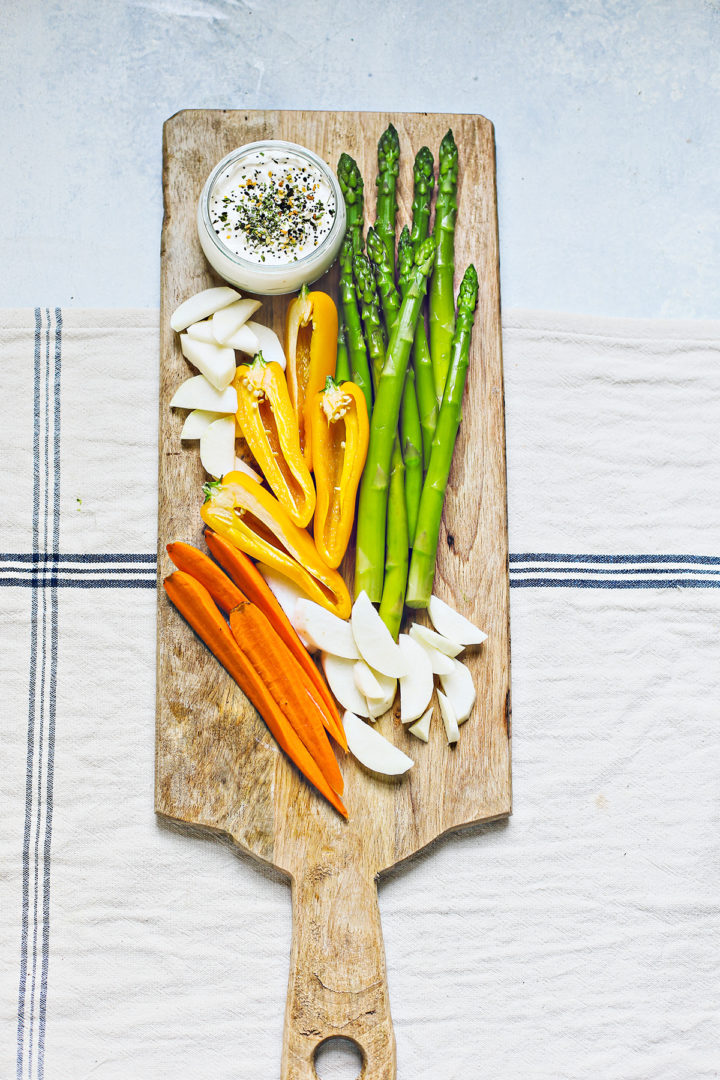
{"x":338,"y":981}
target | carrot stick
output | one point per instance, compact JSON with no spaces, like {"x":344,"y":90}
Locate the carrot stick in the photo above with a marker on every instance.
{"x":195,"y":604}
{"x":224,"y":592}
{"x":285,"y":679}
{"x":249,"y":579}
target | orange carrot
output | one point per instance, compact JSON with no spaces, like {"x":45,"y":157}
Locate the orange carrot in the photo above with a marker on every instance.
{"x":195,"y":562}
{"x":249,"y":579}
{"x":196,"y":605}
{"x":227,"y":596}
{"x":285,"y":679}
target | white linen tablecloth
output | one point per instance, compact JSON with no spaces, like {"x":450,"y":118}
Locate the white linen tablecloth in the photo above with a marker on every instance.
{"x":579,"y":939}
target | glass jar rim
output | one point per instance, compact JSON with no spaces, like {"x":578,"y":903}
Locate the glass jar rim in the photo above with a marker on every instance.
{"x":314,"y":256}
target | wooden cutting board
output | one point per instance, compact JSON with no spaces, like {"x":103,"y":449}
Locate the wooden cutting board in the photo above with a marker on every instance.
{"x":216,"y":764}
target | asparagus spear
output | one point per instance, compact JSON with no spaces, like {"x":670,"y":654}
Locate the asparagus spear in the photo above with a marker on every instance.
{"x":372,"y":510}
{"x":351,"y":316}
{"x":389,"y":296}
{"x":351,"y":185}
{"x":425,"y":389}
{"x":423,"y":187}
{"x":396,"y":557}
{"x":342,"y":364}
{"x":370,"y":314}
{"x":422,"y":560}
{"x":410,"y":430}
{"x":388,"y":169}
{"x":441,"y":298}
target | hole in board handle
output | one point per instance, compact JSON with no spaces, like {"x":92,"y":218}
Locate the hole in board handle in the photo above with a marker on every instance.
{"x":338,"y":1059}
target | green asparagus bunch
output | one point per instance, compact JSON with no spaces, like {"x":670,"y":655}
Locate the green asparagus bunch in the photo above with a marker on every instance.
{"x":422,"y":560}
{"x":441,"y":297}
{"x":372,"y":509}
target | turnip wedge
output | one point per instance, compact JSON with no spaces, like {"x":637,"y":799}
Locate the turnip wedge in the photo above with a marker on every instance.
{"x":421,"y":728}
{"x":460,"y":689}
{"x":374,"y":640}
{"x":217,"y":447}
{"x":339,"y":676}
{"x":201,"y":305}
{"x":196,"y":422}
{"x":440,"y":662}
{"x":213,"y":361}
{"x":416,"y":688}
{"x":268,"y":343}
{"x":426,"y":636}
{"x":197,"y":393}
{"x":324,"y":630}
{"x":451,"y":624}
{"x":228,"y":320}
{"x":372,"y":749}
{"x":449,"y":718}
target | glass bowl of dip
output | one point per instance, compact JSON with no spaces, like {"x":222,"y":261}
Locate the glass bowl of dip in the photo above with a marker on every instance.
{"x":271,"y":217}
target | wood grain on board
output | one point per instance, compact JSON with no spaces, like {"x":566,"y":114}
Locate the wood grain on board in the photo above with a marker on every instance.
{"x":216,"y":764}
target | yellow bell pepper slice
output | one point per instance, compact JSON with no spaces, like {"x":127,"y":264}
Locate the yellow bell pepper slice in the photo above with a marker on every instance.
{"x":311,"y":331}
{"x":267,"y":420}
{"x":340,"y":431}
{"x":248,"y":516}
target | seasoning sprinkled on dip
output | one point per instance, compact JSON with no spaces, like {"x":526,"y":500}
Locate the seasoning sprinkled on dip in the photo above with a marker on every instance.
{"x":273,"y":208}
{"x":271,"y":217}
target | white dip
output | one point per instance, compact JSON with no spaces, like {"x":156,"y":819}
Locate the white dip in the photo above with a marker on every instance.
{"x":272,"y":207}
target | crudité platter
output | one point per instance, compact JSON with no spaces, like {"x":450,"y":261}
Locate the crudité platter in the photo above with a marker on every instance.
{"x":217,"y":766}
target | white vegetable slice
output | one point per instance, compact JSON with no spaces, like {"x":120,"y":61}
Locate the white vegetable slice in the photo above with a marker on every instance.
{"x":325,"y":630}
{"x":196,"y":422}
{"x":460,"y":688}
{"x":201,"y":331}
{"x":366,"y":682}
{"x":440,"y":662}
{"x":243,"y":467}
{"x":426,"y":636}
{"x":217,"y":447}
{"x":379,"y":708}
{"x":228,"y":320}
{"x":372,"y":749}
{"x":449,"y":718}
{"x":451,"y":624}
{"x":215,"y":362}
{"x":287,"y":594}
{"x":201,"y":305}
{"x":197,"y":393}
{"x":374,"y":640}
{"x":421,"y":728}
{"x":416,"y":687}
{"x":244,"y":340}
{"x":268,"y":343}
{"x":339,"y":675}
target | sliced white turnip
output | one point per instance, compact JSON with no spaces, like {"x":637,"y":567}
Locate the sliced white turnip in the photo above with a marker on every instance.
{"x":268,"y":343}
{"x":366,"y":682}
{"x":451,"y":624}
{"x":197,"y":393}
{"x":339,"y":675}
{"x":374,"y":640}
{"x":372,"y":749}
{"x":426,"y":636}
{"x":201,"y":305}
{"x":243,"y":467}
{"x":217,"y":446}
{"x":196,"y":422}
{"x":228,"y":320}
{"x":440,"y":662}
{"x":421,"y":728}
{"x":215,"y":362}
{"x":287,"y":594}
{"x":449,"y":718}
{"x":416,"y":687}
{"x":325,"y":630}
{"x":460,"y":688}
{"x":201,"y":331}
{"x":244,"y":340}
